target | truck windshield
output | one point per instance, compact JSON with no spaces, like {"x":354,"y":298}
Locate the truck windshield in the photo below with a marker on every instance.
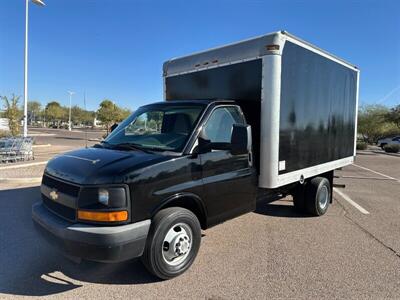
{"x":161,"y":127}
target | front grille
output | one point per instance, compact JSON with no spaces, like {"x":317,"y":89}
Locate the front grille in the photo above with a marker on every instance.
{"x":67,"y":194}
{"x":61,"y":186}
{"x":59,"y":209}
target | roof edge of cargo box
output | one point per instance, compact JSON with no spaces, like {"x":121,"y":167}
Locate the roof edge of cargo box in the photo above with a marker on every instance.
{"x":226,"y":45}
{"x":181,"y":63}
{"x":321,"y":50}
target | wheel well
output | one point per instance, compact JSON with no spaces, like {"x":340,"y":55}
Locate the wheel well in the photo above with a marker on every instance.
{"x":300,"y":188}
{"x":189,"y":203}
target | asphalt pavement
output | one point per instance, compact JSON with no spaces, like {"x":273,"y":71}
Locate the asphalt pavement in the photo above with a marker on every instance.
{"x":273,"y":252}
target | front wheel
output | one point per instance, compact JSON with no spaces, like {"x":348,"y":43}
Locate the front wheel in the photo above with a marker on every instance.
{"x":172,"y":243}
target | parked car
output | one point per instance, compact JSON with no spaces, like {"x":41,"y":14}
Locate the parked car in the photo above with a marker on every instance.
{"x":389,"y":141}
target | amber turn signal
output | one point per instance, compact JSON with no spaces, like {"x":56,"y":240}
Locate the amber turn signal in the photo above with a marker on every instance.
{"x":101,"y":216}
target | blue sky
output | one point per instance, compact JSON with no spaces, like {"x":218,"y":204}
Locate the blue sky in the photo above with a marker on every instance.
{"x":115,"y":48}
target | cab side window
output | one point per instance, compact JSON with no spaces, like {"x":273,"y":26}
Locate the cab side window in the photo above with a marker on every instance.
{"x":218,"y":128}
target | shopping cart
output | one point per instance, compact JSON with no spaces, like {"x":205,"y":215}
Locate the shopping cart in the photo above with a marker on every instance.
{"x":16,"y":149}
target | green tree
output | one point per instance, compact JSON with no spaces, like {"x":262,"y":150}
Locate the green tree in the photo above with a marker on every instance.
{"x":373,"y":124}
{"x":81,"y":116}
{"x":394,"y":116}
{"x":12,"y":113}
{"x":65,"y":114}
{"x":34,"y":110}
{"x":156,"y":117}
{"x":123,"y":113}
{"x":55,"y":113}
{"x":109,"y":113}
{"x":77,"y":115}
{"x":88,"y":117}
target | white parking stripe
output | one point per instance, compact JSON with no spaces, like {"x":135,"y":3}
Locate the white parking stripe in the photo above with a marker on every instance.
{"x":383,"y":175}
{"x":24,"y":165}
{"x":22,"y":180}
{"x":347,"y":198}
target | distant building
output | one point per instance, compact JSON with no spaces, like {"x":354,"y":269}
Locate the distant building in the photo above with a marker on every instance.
{"x":96,"y":123}
{"x":4,"y":124}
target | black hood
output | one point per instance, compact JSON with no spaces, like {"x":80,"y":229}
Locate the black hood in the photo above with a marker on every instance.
{"x":100,"y":166}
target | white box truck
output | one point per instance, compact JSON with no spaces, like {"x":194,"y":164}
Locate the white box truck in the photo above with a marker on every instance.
{"x":270,"y":115}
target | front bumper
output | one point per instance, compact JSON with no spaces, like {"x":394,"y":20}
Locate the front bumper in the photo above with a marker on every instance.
{"x":98,"y":243}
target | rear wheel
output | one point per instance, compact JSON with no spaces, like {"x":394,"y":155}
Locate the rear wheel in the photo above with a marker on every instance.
{"x":383,"y":146}
{"x":318,"y":194}
{"x":172,"y":243}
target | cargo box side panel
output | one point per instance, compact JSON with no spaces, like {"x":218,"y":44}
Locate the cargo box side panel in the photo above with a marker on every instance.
{"x":240,"y":81}
{"x":317,"y":109}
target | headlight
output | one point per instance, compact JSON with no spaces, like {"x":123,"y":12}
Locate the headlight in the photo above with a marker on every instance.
{"x":103,"y":196}
{"x":115,"y":196}
{"x":106,"y":204}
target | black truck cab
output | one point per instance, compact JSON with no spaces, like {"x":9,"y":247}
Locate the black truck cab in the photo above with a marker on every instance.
{"x":176,"y":167}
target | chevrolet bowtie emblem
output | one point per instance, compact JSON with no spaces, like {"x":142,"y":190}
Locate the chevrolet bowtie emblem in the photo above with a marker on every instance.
{"x":53,"y":195}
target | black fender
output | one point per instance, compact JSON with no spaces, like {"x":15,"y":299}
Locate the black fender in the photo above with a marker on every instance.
{"x":186,"y":200}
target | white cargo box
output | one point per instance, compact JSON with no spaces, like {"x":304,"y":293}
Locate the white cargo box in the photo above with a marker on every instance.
{"x":300,"y":100}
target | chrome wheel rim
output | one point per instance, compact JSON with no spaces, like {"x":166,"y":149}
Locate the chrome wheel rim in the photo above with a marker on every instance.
{"x":177,"y":244}
{"x":323,"y":196}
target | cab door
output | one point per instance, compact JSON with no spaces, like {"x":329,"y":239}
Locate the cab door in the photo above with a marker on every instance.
{"x":229,"y":181}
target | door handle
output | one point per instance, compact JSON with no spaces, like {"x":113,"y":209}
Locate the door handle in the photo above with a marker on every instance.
{"x":250,"y":159}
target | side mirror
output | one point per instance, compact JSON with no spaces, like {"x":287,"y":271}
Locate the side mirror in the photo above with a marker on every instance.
{"x":205,"y":145}
{"x":241,"y":139}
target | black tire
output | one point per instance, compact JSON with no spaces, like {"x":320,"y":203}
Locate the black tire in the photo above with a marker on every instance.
{"x":299,"y":201}
{"x":162,"y":223}
{"x":383,"y":146}
{"x":318,"y":187}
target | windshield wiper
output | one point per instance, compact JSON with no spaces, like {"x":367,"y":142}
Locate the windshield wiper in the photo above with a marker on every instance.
{"x":129,"y":146}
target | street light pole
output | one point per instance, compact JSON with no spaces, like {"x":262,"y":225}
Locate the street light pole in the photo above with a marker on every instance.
{"x":26,"y":70}
{"x":41,"y":3}
{"x":70,"y":103}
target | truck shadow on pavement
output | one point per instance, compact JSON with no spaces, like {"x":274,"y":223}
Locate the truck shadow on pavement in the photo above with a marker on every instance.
{"x":278,"y":208}
{"x":29,"y":266}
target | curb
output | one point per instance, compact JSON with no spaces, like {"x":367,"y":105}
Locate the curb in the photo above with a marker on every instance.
{"x":41,"y":146}
{"x":41,"y":134}
{"x":24,"y":165}
{"x":22,"y":180}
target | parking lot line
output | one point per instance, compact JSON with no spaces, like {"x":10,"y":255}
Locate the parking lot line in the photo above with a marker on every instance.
{"x":24,"y":165}
{"x":21,"y":180}
{"x":383,"y":175}
{"x":364,"y":177}
{"x":347,"y":198}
